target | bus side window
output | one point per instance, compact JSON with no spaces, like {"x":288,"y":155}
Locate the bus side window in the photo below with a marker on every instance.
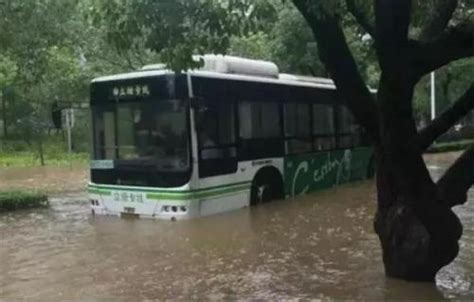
{"x":259,"y":120}
{"x":323,"y":127}
{"x":216,"y":134}
{"x":259,"y":130}
{"x":297,"y":120}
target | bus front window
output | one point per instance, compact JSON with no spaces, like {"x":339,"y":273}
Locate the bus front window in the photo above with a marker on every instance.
{"x":146,"y":133}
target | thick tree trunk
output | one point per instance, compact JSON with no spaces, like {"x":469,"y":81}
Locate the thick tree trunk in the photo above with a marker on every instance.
{"x":417,"y":241}
{"x":418,"y":231}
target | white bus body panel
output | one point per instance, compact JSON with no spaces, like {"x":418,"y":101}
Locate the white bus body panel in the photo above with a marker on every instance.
{"x":119,"y":200}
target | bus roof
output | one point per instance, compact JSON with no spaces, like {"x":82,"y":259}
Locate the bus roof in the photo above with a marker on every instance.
{"x":215,"y":75}
{"x":231,"y":68}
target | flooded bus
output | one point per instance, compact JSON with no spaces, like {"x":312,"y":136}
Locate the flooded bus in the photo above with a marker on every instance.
{"x":231,"y":134}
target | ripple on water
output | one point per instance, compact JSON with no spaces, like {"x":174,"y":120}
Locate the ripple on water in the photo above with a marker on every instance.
{"x":319,"y":246}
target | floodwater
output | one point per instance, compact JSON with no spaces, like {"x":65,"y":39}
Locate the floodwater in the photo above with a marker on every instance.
{"x":47,"y":179}
{"x":319,"y":246}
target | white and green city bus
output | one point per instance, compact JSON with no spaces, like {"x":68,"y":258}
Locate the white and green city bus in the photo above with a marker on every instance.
{"x":234,"y":133}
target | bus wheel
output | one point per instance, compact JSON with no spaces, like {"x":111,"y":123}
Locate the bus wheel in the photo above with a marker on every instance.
{"x":266,"y":186}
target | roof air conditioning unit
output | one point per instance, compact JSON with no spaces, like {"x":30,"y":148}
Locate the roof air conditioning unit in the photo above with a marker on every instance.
{"x":236,"y":65}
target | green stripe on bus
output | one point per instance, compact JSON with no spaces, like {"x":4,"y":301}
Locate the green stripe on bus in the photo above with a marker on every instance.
{"x":197,"y":195}
{"x":183,"y":195}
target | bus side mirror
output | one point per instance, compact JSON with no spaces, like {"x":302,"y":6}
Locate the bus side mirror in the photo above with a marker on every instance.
{"x":56,"y":115}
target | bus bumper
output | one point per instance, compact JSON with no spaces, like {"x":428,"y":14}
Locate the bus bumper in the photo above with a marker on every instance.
{"x":139,"y":204}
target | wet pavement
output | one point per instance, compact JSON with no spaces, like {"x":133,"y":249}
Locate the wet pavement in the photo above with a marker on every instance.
{"x":317,"y":246}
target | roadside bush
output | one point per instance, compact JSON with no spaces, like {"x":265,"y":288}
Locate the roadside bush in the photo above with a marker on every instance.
{"x":15,"y":200}
{"x":451,"y":146}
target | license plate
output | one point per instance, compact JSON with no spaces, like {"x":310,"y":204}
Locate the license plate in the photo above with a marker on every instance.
{"x":129,"y":210}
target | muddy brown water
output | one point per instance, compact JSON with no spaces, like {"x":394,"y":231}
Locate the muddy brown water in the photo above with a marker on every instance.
{"x":317,"y":246}
{"x":48,"y":179}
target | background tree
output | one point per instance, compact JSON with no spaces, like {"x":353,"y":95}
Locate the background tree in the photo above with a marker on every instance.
{"x":49,"y":52}
{"x":8,"y":72}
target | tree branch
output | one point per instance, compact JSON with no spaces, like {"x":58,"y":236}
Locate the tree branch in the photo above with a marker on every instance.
{"x":446,"y":120}
{"x":441,"y":14}
{"x":455,"y":183}
{"x":392,"y":20}
{"x":338,"y":60}
{"x":360,"y":17}
{"x":455,"y":43}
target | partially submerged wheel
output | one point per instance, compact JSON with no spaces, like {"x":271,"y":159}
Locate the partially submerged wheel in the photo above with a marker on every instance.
{"x":266,"y":186}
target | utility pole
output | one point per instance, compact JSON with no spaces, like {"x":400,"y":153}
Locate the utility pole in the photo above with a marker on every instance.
{"x":68,"y":129}
{"x":4,"y":113}
{"x":433,"y":95}
{"x":69,"y":115}
{"x":67,"y":111}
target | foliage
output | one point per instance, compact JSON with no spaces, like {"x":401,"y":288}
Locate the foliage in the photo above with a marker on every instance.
{"x":51,"y":50}
{"x":16,"y":200}
{"x":17,"y":153}
{"x":293,"y":46}
{"x":176,"y":30}
{"x":8,"y":71}
{"x":451,"y":146}
{"x":288,"y":42}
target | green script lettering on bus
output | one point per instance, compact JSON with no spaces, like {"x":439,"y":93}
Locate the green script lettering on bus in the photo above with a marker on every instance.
{"x":320,"y":173}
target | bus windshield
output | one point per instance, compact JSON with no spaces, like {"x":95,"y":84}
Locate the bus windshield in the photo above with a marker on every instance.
{"x":144,"y":133}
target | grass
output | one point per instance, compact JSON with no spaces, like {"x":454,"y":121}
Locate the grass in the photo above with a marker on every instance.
{"x":16,"y":200}
{"x":19,"y":154}
{"x":29,"y":159}
{"x":451,"y":146}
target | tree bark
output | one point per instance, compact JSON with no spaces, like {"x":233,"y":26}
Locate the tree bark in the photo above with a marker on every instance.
{"x":416,"y":241}
{"x":361,"y":17}
{"x":40,"y":152}
{"x":417,"y":229}
{"x":447,"y":119}
{"x":4,"y":116}
{"x":337,"y":57}
{"x":442,"y":12}
{"x":455,"y":183}
{"x":431,"y":55}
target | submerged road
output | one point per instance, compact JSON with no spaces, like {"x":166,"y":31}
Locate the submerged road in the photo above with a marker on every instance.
{"x":316,"y":246}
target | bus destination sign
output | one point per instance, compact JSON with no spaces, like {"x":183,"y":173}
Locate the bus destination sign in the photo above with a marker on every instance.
{"x":130,"y":91}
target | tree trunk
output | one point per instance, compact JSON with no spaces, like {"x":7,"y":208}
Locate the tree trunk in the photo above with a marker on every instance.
{"x":40,"y":152}
{"x":4,"y":116}
{"x":418,"y":231}
{"x":417,"y":241}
